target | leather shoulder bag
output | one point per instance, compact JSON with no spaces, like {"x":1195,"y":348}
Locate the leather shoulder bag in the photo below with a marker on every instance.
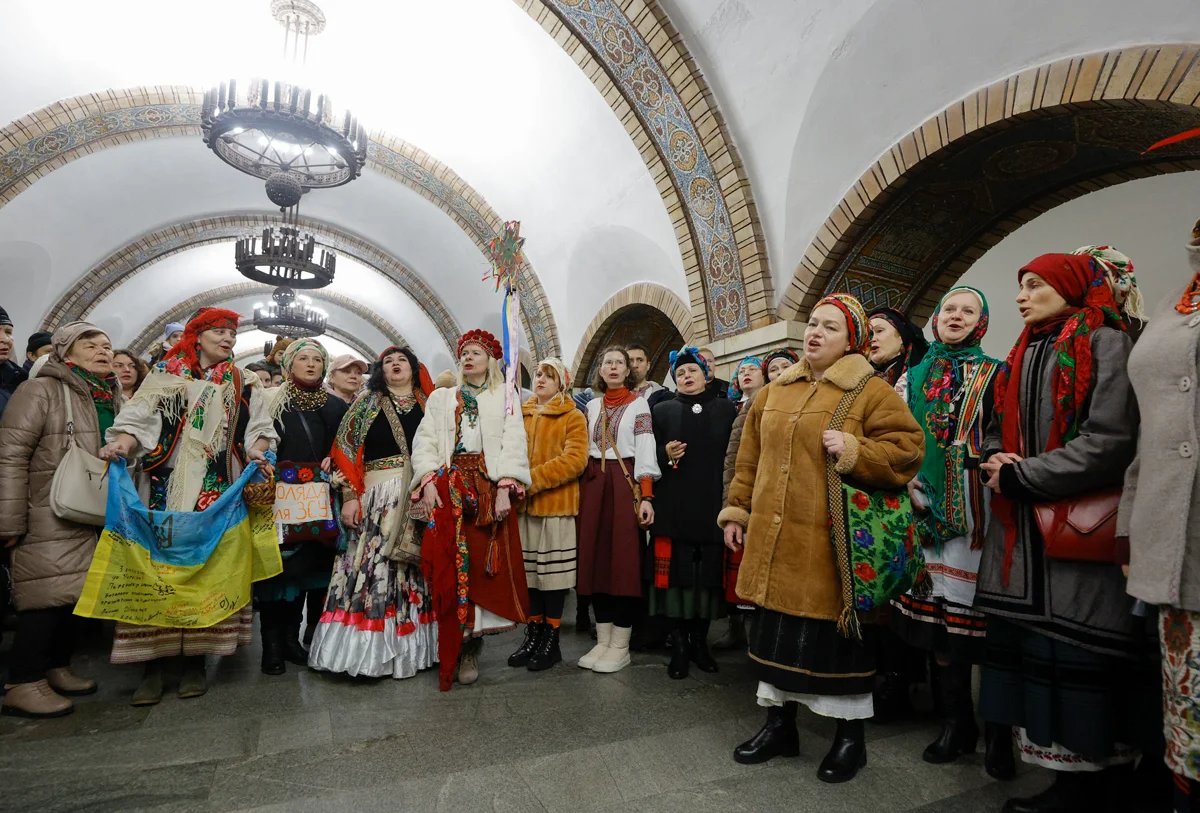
{"x":79,"y":490}
{"x":1081,"y":529}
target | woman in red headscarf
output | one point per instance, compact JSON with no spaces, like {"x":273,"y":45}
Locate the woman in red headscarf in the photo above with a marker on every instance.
{"x":195,"y":422}
{"x":378,"y":617}
{"x":1067,"y":663}
{"x":470,"y":466}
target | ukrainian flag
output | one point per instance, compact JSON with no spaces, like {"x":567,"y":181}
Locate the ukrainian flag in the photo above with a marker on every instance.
{"x":177,"y":568}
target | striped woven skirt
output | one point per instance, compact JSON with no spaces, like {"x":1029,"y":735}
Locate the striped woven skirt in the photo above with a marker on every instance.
{"x":136,"y":644}
{"x":549,"y":546}
{"x":808,"y":656}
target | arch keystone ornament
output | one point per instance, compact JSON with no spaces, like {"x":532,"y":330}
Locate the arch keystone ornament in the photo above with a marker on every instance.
{"x":685,"y":144}
{"x":951,"y":189}
{"x":46,"y":139}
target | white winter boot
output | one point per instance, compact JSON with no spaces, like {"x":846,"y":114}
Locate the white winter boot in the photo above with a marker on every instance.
{"x":616,"y":657}
{"x":603,"y":635}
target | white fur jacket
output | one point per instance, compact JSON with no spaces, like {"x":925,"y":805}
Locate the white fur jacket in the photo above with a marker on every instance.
{"x":504,"y":448}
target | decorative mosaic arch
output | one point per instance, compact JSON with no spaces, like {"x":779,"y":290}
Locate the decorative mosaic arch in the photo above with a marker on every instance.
{"x":37,"y":144}
{"x":181,"y":311}
{"x":958,"y":184}
{"x":646,"y":294}
{"x":104,"y":278}
{"x":640,"y":65}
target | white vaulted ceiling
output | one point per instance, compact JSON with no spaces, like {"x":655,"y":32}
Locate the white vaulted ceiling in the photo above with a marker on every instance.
{"x":812,"y":92}
{"x":478,"y":85}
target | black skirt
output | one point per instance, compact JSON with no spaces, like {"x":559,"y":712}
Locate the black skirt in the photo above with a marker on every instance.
{"x":809,"y":656}
{"x":1061,"y":693}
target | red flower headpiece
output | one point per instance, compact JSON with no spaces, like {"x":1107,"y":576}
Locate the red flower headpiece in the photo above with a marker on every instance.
{"x":487,"y":341}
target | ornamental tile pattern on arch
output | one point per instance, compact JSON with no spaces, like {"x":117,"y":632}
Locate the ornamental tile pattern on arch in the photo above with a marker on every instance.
{"x":633,"y":67}
{"x":40,"y":149}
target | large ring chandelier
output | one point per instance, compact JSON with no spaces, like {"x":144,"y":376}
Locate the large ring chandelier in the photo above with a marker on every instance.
{"x":263,"y":126}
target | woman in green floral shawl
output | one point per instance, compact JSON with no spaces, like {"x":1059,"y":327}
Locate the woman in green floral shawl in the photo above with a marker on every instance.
{"x":950,"y":395}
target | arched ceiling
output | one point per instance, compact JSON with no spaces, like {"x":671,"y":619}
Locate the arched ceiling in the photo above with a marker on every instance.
{"x":549,"y":153}
{"x":678,"y":144}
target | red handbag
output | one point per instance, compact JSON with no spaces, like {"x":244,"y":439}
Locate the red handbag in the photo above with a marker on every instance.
{"x":1081,"y":529}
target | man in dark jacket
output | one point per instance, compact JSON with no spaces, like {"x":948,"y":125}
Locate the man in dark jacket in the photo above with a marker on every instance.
{"x":11,"y":373}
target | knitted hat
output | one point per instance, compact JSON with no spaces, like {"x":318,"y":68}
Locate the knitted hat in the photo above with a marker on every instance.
{"x":857,"y":324}
{"x":688,"y":354}
{"x":68,"y":334}
{"x":289,"y":355}
{"x":171,"y":329}
{"x":490,"y":344}
{"x":37,"y":341}
{"x":4,"y":320}
{"x":1069,"y":274}
{"x":555,"y":364}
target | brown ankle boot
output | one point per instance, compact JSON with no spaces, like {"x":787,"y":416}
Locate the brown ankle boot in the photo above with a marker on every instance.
{"x":66,"y":682}
{"x":35,"y":699}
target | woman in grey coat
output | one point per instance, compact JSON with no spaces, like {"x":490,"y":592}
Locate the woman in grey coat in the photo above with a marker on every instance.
{"x":1159,"y":512}
{"x":1067,"y":664}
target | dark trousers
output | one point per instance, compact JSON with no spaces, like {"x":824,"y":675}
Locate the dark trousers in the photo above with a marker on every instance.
{"x":45,"y":640}
{"x":620,"y":611}
{"x":548,"y":603}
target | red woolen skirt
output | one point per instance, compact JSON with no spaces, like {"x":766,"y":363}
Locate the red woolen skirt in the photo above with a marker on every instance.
{"x":610,"y":542}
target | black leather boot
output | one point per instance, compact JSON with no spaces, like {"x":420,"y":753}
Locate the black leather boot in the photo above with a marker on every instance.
{"x":697,"y":630}
{"x":272,"y":641}
{"x":960,"y":733}
{"x":847,"y":754}
{"x":678,"y":666}
{"x":998,"y":758}
{"x":533,"y":633}
{"x":546,"y":653}
{"x":777,"y":738}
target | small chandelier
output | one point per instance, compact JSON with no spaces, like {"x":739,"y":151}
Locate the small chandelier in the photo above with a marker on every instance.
{"x":264,"y":127}
{"x":285,"y":256}
{"x":290,"y":315}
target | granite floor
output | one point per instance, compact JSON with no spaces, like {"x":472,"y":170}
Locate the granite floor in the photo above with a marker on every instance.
{"x":565,"y":739}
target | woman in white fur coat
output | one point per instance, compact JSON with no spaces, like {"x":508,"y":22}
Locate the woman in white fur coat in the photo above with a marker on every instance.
{"x":470,"y":464}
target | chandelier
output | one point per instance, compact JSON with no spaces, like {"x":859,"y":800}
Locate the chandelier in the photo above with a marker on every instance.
{"x":264,"y":127}
{"x":290,"y":315}
{"x":285,"y":256}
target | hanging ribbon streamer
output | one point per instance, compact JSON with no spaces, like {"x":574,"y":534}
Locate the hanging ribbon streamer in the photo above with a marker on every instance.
{"x":505,"y":253}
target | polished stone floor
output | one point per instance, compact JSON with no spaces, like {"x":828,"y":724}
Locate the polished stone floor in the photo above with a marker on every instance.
{"x":566,"y":739}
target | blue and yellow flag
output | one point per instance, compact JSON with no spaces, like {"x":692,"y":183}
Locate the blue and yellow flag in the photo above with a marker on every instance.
{"x":177,"y":568}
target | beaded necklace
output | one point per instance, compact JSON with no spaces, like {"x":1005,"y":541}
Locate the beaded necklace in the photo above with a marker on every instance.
{"x":470,"y":402}
{"x":1190,"y":301}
